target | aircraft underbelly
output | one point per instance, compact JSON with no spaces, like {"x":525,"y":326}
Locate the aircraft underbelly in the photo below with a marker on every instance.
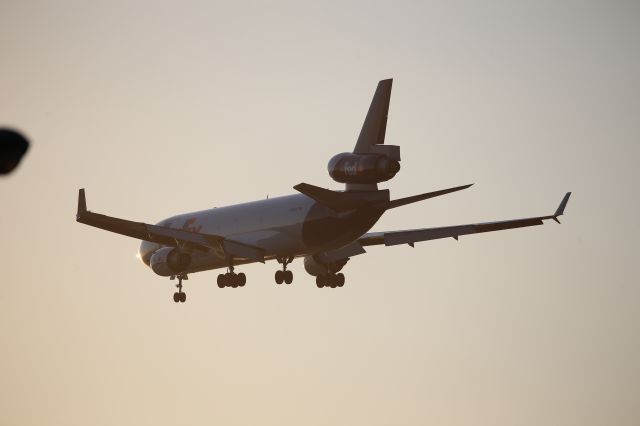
{"x":275,"y":225}
{"x":287,"y":226}
{"x":276,"y":244}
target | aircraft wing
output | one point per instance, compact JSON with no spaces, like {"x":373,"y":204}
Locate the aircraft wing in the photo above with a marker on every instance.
{"x":167,"y":236}
{"x":413,"y":236}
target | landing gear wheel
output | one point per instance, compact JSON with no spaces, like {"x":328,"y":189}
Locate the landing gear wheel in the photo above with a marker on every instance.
{"x":288,"y":277}
{"x":182,"y":297}
{"x":332,"y":281}
{"x":320,"y":281}
{"x":231,"y":279}
{"x":339,"y":279}
{"x":284,"y":275}
{"x":176,"y":297}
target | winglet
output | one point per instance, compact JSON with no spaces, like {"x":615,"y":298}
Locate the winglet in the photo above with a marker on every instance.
{"x":560,"y":209}
{"x":82,"y":204}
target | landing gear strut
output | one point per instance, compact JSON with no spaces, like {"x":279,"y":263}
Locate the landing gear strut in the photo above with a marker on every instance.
{"x":330,"y":280}
{"x":231,"y":279}
{"x":180,"y":296}
{"x":284,"y":275}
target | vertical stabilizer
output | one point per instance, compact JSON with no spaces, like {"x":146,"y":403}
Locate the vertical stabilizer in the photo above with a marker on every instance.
{"x":375,"y":124}
{"x":371,"y":139}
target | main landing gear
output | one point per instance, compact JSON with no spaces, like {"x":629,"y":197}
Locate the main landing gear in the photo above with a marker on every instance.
{"x":330,"y":280}
{"x":180,"y":296}
{"x":284,"y":275}
{"x":231,"y":279}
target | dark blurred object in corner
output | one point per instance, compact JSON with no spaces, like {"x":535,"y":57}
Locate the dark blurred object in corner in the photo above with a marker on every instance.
{"x":12,"y":147}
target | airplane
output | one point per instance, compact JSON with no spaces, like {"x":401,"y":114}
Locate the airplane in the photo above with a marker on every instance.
{"x":324,"y":227}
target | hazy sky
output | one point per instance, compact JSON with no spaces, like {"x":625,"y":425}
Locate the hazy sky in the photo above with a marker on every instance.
{"x":159,"y":108}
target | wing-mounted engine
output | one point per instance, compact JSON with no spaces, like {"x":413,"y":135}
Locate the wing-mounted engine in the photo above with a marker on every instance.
{"x":379,"y":165}
{"x":325,"y":266}
{"x":169,"y":261}
{"x":326,"y":273}
{"x":315,"y":266}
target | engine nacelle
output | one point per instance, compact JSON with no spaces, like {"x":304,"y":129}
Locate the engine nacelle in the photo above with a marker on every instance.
{"x":362,"y":168}
{"x":169,"y":261}
{"x":315,"y":267}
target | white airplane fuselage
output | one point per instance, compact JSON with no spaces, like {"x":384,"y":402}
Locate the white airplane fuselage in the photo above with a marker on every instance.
{"x":287,"y":226}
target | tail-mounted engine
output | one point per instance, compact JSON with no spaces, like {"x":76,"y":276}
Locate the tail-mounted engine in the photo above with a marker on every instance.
{"x":169,"y":261}
{"x":378,"y":166}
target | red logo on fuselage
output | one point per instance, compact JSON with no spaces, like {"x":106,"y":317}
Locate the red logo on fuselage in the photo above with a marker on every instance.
{"x":189,"y":225}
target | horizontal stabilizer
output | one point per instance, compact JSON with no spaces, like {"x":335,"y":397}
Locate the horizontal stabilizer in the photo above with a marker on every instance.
{"x":336,"y":201}
{"x":340,"y":201}
{"x":425,"y":196}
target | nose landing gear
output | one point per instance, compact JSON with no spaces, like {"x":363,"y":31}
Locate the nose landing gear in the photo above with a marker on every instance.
{"x":180,"y":296}
{"x":284,"y":275}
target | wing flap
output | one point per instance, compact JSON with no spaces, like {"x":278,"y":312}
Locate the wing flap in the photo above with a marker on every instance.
{"x":167,"y":236}
{"x":413,"y":236}
{"x":162,"y":234}
{"x":120,"y":226}
{"x":417,"y":235}
{"x":237,"y":249}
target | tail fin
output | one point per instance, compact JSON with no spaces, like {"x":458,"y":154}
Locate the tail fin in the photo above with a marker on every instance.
{"x":375,"y":125}
{"x":371,"y":139}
